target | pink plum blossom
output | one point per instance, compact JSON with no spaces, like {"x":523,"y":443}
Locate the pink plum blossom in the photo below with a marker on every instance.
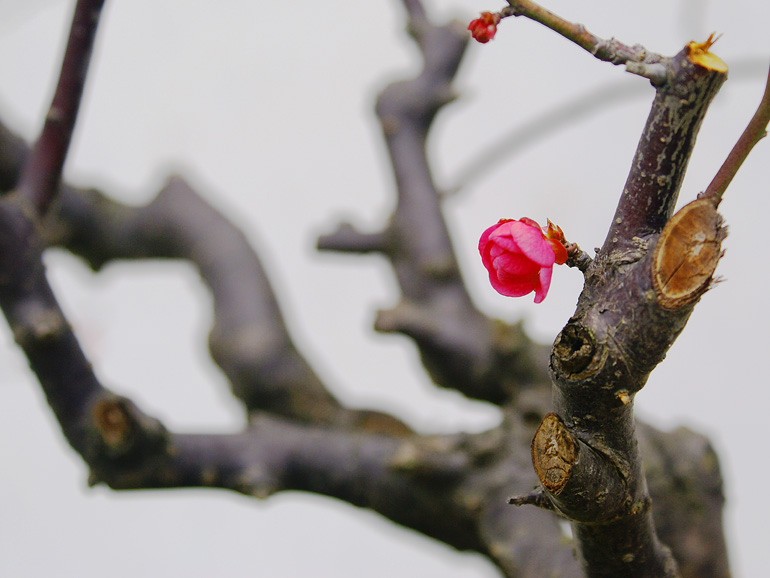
{"x":520,"y":257}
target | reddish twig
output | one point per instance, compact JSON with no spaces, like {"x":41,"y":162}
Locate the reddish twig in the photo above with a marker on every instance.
{"x":42,"y":172}
{"x":607,"y":50}
{"x":755,"y":131}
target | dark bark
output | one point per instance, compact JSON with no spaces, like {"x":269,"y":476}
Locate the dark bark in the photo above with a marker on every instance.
{"x":454,"y":488}
{"x":43,"y":169}
{"x":633,"y":307}
{"x":460,"y":348}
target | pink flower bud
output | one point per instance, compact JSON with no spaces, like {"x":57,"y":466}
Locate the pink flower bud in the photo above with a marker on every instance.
{"x":484,"y":29}
{"x":520,"y":258}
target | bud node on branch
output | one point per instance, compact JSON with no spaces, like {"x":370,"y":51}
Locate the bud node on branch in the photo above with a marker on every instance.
{"x":575,"y":352}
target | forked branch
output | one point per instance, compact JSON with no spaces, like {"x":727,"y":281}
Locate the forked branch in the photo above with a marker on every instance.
{"x":635,"y":303}
{"x":460,"y":347}
{"x":299,"y":437}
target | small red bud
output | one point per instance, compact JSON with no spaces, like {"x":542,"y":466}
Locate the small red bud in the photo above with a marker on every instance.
{"x":484,"y":29}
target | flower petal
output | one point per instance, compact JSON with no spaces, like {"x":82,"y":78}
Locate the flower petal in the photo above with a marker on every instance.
{"x":544,"y":284}
{"x":485,"y":237}
{"x":519,"y":258}
{"x":533,"y":243}
{"x":505,"y":242}
{"x":511,"y":289}
{"x":509,"y":265}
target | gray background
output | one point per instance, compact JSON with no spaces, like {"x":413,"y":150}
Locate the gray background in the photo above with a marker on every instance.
{"x":267,"y":108}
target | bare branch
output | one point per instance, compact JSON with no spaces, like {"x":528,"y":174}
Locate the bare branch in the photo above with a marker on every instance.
{"x":664,"y":150}
{"x":606,"y":50}
{"x":249,"y":339}
{"x":42,"y":172}
{"x":39,"y":326}
{"x":300,"y":437}
{"x":348,"y":239}
{"x":459,"y":346}
{"x":14,"y":153}
{"x":628,"y":315}
{"x":416,"y":11}
{"x":755,"y":131}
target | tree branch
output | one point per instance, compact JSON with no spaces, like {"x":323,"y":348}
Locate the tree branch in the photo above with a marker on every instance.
{"x":755,"y":131}
{"x":664,"y":150}
{"x":42,"y":172}
{"x":249,"y":339}
{"x":460,"y":347}
{"x":635,"y":303}
{"x":437,"y":485}
{"x":611,"y":50}
{"x":38,"y":324}
{"x":454,"y":487}
{"x":460,"y":481}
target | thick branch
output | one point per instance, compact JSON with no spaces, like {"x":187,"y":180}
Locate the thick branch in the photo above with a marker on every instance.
{"x":448,"y":487}
{"x":249,"y":339}
{"x":459,"y":346}
{"x":40,"y":179}
{"x":635,"y":303}
{"x":664,"y":150}
{"x":416,"y":12}
{"x":300,"y":438}
{"x":14,"y":152}
{"x":38,"y":324}
{"x":439,"y":486}
{"x":463,"y":481}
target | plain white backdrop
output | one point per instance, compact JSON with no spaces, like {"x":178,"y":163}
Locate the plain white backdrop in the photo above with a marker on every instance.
{"x":267,"y":108}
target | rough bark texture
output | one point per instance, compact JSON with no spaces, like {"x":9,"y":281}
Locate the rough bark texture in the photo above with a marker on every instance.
{"x":589,"y":454}
{"x":635,"y":302}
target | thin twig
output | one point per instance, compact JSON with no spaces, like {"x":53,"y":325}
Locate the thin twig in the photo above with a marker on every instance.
{"x":40,"y":177}
{"x":536,"y":498}
{"x":607,"y":50}
{"x":755,"y":131}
